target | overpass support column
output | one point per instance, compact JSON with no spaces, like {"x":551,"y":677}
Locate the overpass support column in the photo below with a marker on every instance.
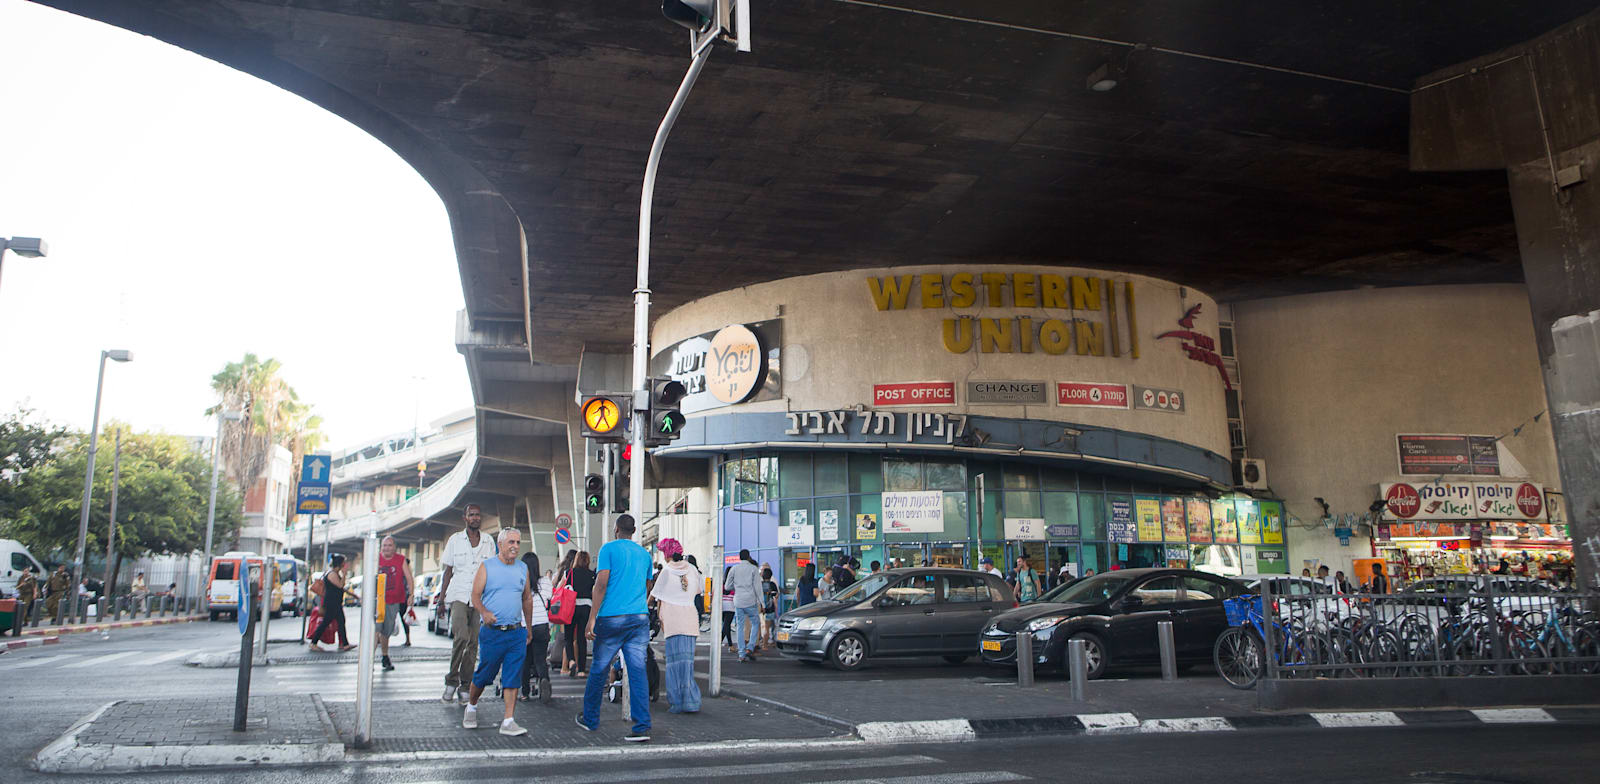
{"x":1530,"y":110}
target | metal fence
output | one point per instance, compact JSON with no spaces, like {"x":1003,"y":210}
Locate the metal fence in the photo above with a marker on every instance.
{"x":1449,"y":627}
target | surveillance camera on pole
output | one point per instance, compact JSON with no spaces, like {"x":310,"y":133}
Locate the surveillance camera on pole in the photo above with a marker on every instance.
{"x":709,"y":20}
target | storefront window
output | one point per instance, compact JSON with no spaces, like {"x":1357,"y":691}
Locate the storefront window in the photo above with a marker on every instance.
{"x":746,"y":485}
{"x":1021,"y":476}
{"x":831,"y":474}
{"x":794,"y":475}
{"x":795,"y":513}
{"x":866,"y":475}
{"x":1022,"y":503}
{"x":945,"y":474}
{"x":955,"y":517}
{"x":901,"y":474}
{"x":1093,"y":559}
{"x":868,"y":529}
{"x":1060,"y":509}
{"x":833,"y":520}
{"x":1057,"y":478}
{"x":1092,"y":515}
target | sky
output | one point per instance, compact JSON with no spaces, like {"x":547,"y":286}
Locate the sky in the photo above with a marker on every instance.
{"x":195,"y":213}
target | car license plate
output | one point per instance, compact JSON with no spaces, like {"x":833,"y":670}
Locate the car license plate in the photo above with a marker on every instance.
{"x":783,"y":636}
{"x":991,"y":645}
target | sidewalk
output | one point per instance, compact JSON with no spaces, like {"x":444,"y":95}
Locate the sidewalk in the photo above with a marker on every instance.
{"x":96,"y":626}
{"x":17,"y":644}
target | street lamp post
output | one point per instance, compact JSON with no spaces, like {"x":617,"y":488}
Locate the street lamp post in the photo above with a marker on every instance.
{"x":29,"y":247}
{"x":223,"y":415}
{"x":116,"y":355}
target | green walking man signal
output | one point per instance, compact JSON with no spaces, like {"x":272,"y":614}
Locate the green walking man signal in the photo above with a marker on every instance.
{"x":594,"y":493}
{"x":666,"y":420}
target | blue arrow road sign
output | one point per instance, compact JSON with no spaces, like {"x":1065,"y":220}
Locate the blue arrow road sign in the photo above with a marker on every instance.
{"x":316,"y":470}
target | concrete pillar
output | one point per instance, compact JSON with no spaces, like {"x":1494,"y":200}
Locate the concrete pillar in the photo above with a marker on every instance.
{"x":1530,"y":110}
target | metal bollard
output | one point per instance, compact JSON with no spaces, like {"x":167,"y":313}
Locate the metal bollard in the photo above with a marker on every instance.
{"x":1169,"y":654}
{"x":1077,"y":667}
{"x":1024,"y":658}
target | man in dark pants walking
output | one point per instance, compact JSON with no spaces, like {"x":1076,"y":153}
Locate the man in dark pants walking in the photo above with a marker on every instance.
{"x":621,"y":623}
{"x":464,"y":552}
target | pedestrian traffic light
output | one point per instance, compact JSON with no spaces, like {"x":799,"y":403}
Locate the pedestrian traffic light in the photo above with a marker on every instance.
{"x":604,"y":417}
{"x":594,"y":493}
{"x":619,"y":495}
{"x":666,"y":420}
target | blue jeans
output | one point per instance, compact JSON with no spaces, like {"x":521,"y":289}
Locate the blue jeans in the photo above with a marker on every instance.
{"x":628,"y":634}
{"x":682,"y":692}
{"x":748,"y":619}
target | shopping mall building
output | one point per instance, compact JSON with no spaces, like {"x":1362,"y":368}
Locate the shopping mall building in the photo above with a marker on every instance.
{"x":1097,"y":420}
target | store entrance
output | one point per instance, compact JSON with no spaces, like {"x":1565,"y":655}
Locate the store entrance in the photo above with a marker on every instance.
{"x":1141,"y":556}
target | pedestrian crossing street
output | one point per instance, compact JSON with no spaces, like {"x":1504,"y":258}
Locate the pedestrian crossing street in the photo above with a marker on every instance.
{"x":824,"y":769}
{"x":87,"y":660}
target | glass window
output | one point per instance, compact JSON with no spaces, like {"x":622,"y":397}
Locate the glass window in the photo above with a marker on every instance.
{"x":20,"y":563}
{"x":796,"y":512}
{"x":1022,"y":503}
{"x":1020,"y":476}
{"x":1094,"y":589}
{"x":868,"y":531}
{"x":1161,"y":590}
{"x":946,"y":475}
{"x":1232,"y":398}
{"x":794,"y":475}
{"x":901,"y":474}
{"x":990,"y":473}
{"x":1060,"y":509}
{"x":918,"y":589}
{"x":769,"y":474}
{"x":225,"y":570}
{"x":1115,"y":485}
{"x":1225,"y":339}
{"x":830,"y":474}
{"x":1200,"y":589}
{"x":862,"y":588}
{"x":1057,"y":478}
{"x":955,"y":516}
{"x":833,"y":520}
{"x":1092,"y":515}
{"x":966,"y":589}
{"x":866,"y":476}
{"x":748,"y":486}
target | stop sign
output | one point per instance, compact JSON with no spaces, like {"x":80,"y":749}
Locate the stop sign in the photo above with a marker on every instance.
{"x":1403,"y":500}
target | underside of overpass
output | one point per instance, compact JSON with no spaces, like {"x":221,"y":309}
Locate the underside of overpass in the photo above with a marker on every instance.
{"x":1248,"y":149}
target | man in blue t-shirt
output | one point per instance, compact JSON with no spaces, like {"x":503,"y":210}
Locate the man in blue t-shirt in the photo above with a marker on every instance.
{"x":620,"y":622}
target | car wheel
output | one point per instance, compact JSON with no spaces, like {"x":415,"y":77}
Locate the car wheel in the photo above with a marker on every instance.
{"x":1094,"y":654}
{"x":215,"y":615}
{"x":957,"y":659}
{"x":848,"y":651}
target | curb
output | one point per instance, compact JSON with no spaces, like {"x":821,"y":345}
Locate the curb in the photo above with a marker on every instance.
{"x":12,"y":645}
{"x":67,"y":755}
{"x":99,"y":627}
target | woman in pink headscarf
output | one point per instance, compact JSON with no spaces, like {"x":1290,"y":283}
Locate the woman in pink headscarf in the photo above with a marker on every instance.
{"x":675,"y":588}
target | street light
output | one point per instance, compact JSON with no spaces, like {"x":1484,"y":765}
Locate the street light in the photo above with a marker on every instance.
{"x":115,"y":355}
{"x":27,"y":247}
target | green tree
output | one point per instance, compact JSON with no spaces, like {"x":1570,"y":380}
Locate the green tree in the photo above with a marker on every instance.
{"x":161,"y":505}
{"x":273,"y":415}
{"x":24,"y":446}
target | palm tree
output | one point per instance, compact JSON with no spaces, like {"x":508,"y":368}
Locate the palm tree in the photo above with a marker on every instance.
{"x":273,"y":415}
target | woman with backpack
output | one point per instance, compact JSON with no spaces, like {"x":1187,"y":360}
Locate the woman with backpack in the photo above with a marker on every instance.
{"x":535,"y":667}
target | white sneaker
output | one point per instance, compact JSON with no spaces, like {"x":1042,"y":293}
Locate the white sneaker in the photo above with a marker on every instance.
{"x":510,"y":727}
{"x":449,"y":695}
{"x":469,"y":717}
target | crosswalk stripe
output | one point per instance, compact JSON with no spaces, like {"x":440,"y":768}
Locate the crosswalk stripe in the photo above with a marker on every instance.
{"x":975,"y":777}
{"x":110,"y":657}
{"x":168,"y":657}
{"x":721,"y":771}
{"x":42,"y":660}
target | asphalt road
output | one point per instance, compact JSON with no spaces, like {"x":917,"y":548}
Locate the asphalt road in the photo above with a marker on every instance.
{"x":46,"y":689}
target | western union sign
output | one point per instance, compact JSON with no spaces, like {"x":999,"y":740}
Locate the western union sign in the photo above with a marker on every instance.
{"x":1088,"y":323}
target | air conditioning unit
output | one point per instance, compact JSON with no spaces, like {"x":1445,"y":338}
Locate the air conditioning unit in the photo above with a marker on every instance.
{"x":1253,"y":473}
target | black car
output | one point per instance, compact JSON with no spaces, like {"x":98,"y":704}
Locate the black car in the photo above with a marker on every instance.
{"x":1116,"y":614}
{"x":899,"y":612}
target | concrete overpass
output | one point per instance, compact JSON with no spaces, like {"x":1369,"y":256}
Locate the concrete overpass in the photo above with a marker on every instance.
{"x":1245,"y":150}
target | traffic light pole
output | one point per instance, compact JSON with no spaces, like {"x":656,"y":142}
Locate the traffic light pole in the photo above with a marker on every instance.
{"x":641,"y":290}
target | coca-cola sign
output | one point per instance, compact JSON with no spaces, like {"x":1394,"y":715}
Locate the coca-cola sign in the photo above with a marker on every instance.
{"x":1402,"y":501}
{"x":1530,"y":501}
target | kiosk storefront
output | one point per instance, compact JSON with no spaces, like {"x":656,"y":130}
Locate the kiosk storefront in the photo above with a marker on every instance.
{"x":943,"y":414}
{"x":1464,"y":526}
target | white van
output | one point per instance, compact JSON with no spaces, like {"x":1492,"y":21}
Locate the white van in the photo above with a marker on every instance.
{"x":14,"y":560}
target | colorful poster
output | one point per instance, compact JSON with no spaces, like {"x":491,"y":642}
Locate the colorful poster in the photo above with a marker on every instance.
{"x":1120,"y":528}
{"x":1148,"y":512}
{"x":913,"y":512}
{"x":828,"y":521}
{"x":1199,"y":520}
{"x":1224,"y":521}
{"x":1271,"y":522}
{"x":866,"y":527}
{"x":1172,"y":521}
{"x":1249,"y":520}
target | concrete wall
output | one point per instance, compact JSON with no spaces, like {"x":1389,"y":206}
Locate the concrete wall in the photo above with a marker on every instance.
{"x":1330,"y":379}
{"x":838,"y":344}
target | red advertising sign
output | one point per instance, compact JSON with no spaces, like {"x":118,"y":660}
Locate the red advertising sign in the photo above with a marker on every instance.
{"x":1403,"y":500}
{"x":1530,"y":501}
{"x":1095,"y":395}
{"x":917,"y":393}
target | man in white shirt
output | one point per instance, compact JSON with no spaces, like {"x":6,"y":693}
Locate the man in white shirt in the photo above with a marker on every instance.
{"x":987,"y":567}
{"x":464,"y":552}
{"x":745,"y":578}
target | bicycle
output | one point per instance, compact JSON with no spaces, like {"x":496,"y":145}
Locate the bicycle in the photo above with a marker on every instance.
{"x":1240,"y":651}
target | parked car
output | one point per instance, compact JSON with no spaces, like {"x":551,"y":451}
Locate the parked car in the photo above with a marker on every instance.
{"x":14,"y":560}
{"x":1115,"y":614}
{"x":422,"y":593}
{"x":1305,"y":598}
{"x":438,"y":613}
{"x":1513,"y":593}
{"x":900,"y":612}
